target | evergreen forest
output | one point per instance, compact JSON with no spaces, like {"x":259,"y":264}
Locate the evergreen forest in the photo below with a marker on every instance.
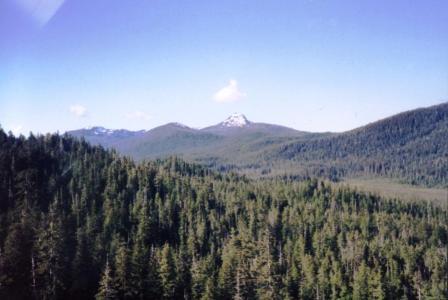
{"x":81,"y":222}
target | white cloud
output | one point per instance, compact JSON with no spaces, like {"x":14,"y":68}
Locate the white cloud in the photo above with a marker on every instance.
{"x":78,"y":110}
{"x":138,"y":115}
{"x":229,"y":93}
{"x":40,"y":10}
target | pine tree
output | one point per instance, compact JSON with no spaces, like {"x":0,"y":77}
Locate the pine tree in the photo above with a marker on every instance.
{"x":323,"y":279}
{"x":106,"y":290}
{"x":198,"y":278}
{"x":153,"y":279}
{"x":266,"y":268}
{"x":50,"y":260}
{"x":360,"y":283}
{"x":336,"y":281}
{"x":210,"y":289}
{"x":227,"y":272}
{"x":167,"y":272}
{"x":84,"y":279}
{"x":245,"y":274}
{"x":140,"y":253}
{"x":183,"y":267}
{"x":123,"y":268}
{"x":139,"y":259}
{"x":376,"y":285}
{"x":292,"y":281}
{"x":16,"y":280}
{"x":51,"y":263}
{"x":308,"y":278}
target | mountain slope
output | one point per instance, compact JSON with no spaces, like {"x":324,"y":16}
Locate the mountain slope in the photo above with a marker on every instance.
{"x":166,"y":140}
{"x":412,"y":146}
{"x":106,"y":137}
{"x":238,"y":124}
{"x":221,"y":142}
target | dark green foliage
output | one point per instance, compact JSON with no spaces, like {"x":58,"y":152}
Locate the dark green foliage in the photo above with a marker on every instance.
{"x":123,"y":273}
{"x":411,"y":146}
{"x":167,"y":272}
{"x":106,"y":290}
{"x":79,"y":222}
{"x":49,"y":255}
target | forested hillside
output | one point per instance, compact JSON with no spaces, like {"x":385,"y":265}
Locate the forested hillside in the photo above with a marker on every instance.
{"x":79,"y":222}
{"x":410,"y":147}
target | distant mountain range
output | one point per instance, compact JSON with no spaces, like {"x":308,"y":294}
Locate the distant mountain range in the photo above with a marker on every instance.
{"x":234,"y":135}
{"x":411,"y":146}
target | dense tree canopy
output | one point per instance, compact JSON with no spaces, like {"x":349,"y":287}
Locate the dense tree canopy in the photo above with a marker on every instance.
{"x":77,"y":221}
{"x":411,"y":146}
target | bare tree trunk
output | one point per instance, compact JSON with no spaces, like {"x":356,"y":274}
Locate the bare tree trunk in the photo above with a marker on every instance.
{"x":33,"y":276}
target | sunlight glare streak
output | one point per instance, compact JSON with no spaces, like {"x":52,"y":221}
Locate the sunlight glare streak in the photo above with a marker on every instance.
{"x":40,"y":10}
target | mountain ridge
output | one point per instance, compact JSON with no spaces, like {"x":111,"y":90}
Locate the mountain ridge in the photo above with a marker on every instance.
{"x":235,"y":120}
{"x":177,"y":139}
{"x":411,"y":146}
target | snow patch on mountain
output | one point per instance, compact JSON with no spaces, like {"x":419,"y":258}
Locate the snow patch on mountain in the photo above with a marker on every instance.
{"x":98,"y":130}
{"x":101,"y":131}
{"x":180,"y":125}
{"x":235,"y":120}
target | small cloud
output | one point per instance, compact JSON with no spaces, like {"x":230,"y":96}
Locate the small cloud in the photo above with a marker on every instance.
{"x":40,"y":11}
{"x":229,"y":93}
{"x":78,"y":110}
{"x":138,"y":115}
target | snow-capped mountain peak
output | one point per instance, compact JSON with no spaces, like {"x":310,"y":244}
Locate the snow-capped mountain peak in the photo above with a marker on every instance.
{"x":235,"y":120}
{"x":98,"y":130}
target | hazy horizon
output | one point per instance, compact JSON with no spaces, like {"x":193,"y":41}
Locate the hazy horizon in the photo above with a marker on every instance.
{"x":310,"y":65}
{"x":203,"y":127}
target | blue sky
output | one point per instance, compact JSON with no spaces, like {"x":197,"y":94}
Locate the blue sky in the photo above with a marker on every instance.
{"x":321,"y":65}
